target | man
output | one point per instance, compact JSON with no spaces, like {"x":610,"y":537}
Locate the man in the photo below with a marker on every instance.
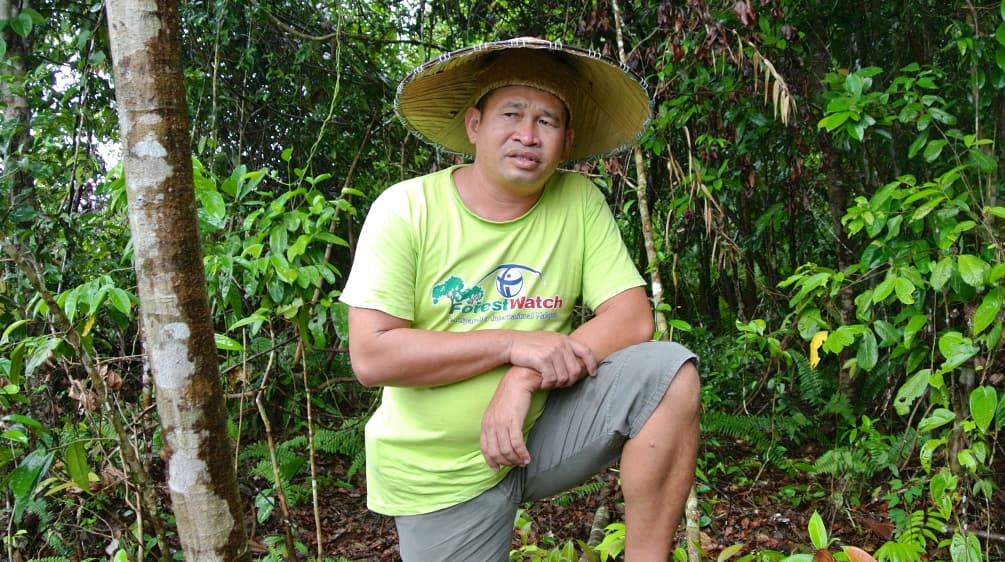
{"x":462,"y":298}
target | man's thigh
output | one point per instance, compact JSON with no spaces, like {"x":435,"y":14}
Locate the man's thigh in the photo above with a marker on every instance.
{"x":584,"y":427}
{"x":581,"y":431}
{"x":478,"y":529}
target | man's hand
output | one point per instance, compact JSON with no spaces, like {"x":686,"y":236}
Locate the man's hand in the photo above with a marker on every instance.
{"x":502,"y":425}
{"x":560,"y":360}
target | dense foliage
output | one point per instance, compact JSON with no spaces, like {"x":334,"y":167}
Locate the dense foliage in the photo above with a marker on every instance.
{"x":825,"y":189}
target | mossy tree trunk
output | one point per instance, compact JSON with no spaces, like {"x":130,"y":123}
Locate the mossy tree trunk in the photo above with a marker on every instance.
{"x":177,"y":326}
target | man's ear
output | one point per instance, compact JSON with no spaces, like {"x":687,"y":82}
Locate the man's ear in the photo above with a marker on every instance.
{"x":570,"y":136}
{"x":472,"y":119}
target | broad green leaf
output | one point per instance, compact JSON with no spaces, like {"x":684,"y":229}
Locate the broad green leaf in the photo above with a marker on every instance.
{"x":972,"y":269}
{"x":841,"y":338}
{"x":938,"y":418}
{"x":934,"y":149}
{"x":965,"y":548}
{"x":25,"y":477}
{"x":911,"y":390}
{"x":983,"y":402}
{"x":942,"y":272}
{"x":26,"y":421}
{"x":40,"y":354}
{"x":904,"y":289}
{"x":247,"y":320}
{"x":212,"y":201}
{"x":884,"y":289}
{"x":928,"y":451}
{"x":21,"y":25}
{"x":227,"y":343}
{"x":916,"y":145}
{"x":77,"y":466}
{"x":1000,"y":33}
{"x":15,"y":435}
{"x":70,"y":304}
{"x":988,"y":310}
{"x":956,"y":348}
{"x":942,"y":482}
{"x":868,"y":351}
{"x":120,"y":300}
{"x":729,"y":552}
{"x":10,"y":329}
{"x":833,"y":121}
{"x":818,"y":532}
{"x":340,"y":317}
{"x":886,"y":331}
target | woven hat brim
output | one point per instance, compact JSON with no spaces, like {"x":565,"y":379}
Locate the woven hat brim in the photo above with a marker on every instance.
{"x":609,"y":105}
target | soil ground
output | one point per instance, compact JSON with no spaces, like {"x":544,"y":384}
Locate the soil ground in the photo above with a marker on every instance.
{"x":759,"y":507}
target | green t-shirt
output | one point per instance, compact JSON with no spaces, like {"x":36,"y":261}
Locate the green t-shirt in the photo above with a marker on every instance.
{"x":424,"y":257}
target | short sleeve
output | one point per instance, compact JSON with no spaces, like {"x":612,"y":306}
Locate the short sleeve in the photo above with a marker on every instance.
{"x":383,"y":271}
{"x":607,"y":268}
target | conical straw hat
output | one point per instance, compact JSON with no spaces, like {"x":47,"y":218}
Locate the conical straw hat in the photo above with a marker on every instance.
{"x":608,"y":105}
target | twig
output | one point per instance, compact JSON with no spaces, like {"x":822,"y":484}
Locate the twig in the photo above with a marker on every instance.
{"x":73,"y":338}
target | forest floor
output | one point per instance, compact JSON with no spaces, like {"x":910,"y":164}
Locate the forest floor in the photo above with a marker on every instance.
{"x":759,"y":507}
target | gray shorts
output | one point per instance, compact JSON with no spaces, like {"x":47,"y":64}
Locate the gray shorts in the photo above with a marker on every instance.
{"x":580,"y":433}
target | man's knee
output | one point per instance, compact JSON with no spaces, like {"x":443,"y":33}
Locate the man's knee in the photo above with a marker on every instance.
{"x":684,"y":393}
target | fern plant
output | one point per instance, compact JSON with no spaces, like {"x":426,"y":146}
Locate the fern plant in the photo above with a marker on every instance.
{"x":566,"y":498}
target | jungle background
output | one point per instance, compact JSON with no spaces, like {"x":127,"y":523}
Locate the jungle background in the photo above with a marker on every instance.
{"x":817,"y":204}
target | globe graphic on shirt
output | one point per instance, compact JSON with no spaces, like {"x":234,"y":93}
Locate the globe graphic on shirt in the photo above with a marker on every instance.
{"x":509,"y":282}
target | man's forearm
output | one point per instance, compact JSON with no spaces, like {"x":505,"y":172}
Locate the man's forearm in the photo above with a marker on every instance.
{"x":413,"y":357}
{"x":623,"y":320}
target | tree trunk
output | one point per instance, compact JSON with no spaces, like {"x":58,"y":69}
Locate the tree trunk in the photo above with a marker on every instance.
{"x":177,"y":327}
{"x":16,"y":109}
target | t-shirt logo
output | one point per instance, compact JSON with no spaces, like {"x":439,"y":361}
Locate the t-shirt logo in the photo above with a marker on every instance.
{"x":509,"y":282}
{"x":509,"y":278}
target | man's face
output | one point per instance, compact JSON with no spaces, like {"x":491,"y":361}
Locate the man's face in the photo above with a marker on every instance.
{"x":520,"y":136}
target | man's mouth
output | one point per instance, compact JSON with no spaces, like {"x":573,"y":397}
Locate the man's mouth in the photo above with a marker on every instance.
{"x":524,"y":157}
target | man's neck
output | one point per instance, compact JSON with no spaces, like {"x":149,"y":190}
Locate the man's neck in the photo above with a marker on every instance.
{"x":491,"y":200}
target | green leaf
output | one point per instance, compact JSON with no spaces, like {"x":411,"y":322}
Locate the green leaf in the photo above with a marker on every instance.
{"x":965,"y":548}
{"x":886,"y":331}
{"x":868,"y":351}
{"x":988,"y":310}
{"x":934,"y":149}
{"x":1000,"y":33}
{"x":247,"y":320}
{"x":25,"y":477}
{"x":212,"y":201}
{"x":10,"y":329}
{"x":729,"y":552}
{"x":818,"y":532}
{"x":904,"y":289}
{"x":15,"y":435}
{"x":77,"y":466}
{"x":40,"y":354}
{"x":121,"y":300}
{"x":972,"y":269}
{"x":927,"y":452}
{"x":833,"y":121}
{"x":956,"y":348}
{"x":3,"y":49}
{"x":942,"y":272}
{"x":287,"y":154}
{"x":227,"y":343}
{"x":22,"y":24}
{"x":983,"y":402}
{"x":917,"y":144}
{"x":911,"y":390}
{"x":26,"y":421}
{"x":938,"y":418}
